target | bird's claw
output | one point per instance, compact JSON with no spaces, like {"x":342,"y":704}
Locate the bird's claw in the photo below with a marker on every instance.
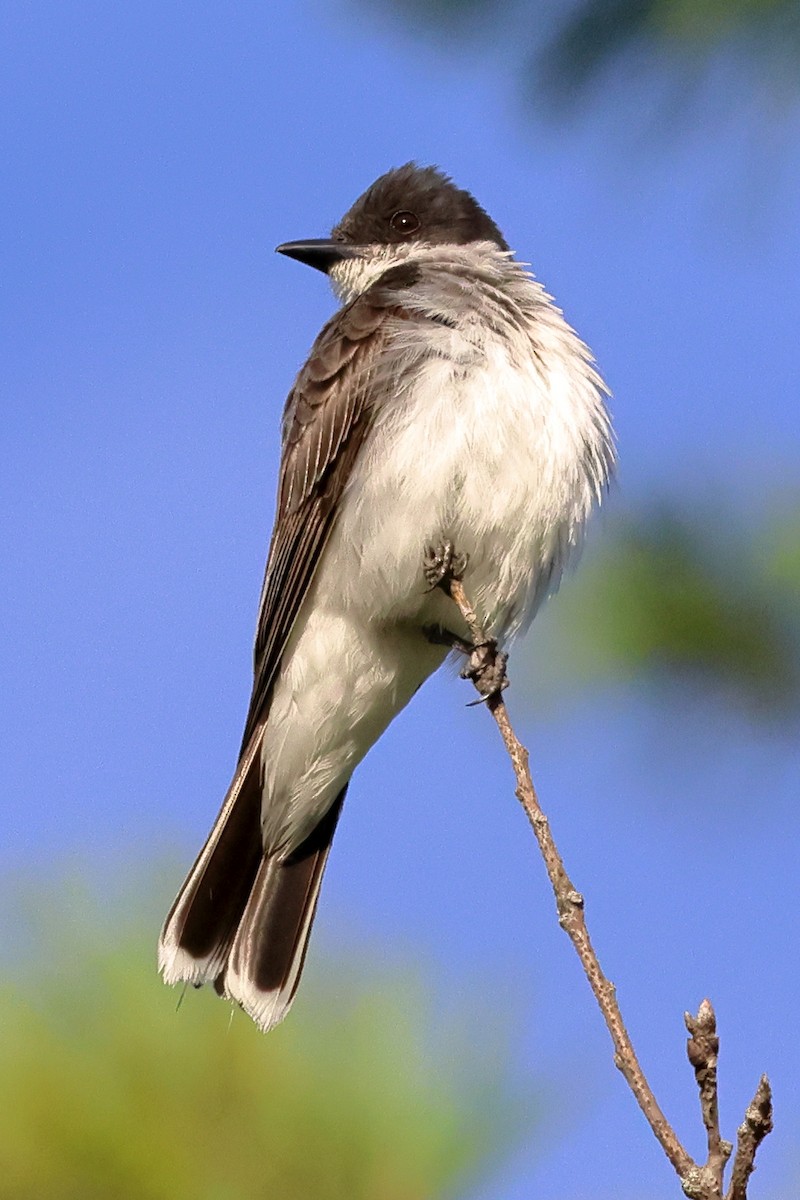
{"x":487,"y":670}
{"x":442,"y":563}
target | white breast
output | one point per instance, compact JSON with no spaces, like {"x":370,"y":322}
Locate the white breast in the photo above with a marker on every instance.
{"x":502,"y":445}
{"x":499,"y":441}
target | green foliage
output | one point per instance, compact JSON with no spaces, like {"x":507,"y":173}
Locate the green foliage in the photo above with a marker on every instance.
{"x":567,"y":48}
{"x":597,"y":33}
{"x":671,"y":594}
{"x":114,"y":1092}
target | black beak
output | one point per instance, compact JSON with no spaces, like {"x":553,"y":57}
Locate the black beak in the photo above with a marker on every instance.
{"x":321,"y":253}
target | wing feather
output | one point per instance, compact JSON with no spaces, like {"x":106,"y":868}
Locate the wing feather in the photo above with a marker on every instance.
{"x":326,"y":419}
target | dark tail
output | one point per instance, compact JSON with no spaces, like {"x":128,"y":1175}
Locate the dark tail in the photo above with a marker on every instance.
{"x":268,"y":952}
{"x":242,"y":918}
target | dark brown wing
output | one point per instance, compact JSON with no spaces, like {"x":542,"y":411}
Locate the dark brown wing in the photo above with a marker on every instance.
{"x":327,"y":416}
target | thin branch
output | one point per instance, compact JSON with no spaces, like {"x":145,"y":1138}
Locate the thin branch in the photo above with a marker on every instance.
{"x":702,"y":1049}
{"x":698,"y":1182}
{"x":569,"y":903}
{"x":751,"y":1133}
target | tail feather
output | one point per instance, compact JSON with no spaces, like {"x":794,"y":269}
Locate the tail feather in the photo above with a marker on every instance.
{"x":201,"y":925}
{"x":242,"y":918}
{"x":269,"y":950}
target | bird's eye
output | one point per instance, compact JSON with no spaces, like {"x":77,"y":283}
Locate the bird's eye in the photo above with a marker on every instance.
{"x":405,"y":222}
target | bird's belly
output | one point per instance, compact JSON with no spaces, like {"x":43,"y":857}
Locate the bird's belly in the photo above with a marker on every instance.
{"x":493,"y":459}
{"x":479,"y":460}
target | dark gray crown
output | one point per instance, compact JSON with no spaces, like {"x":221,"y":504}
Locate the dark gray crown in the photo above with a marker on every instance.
{"x":442,"y":212}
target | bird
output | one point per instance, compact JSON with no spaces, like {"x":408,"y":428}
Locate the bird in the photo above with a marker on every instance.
{"x":446,"y":410}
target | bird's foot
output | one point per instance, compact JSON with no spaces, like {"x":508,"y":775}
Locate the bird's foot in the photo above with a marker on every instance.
{"x":437,"y":635}
{"x":442,"y":563}
{"x":487,"y":669}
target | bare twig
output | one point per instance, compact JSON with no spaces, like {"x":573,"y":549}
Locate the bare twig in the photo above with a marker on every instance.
{"x":751,"y":1133}
{"x":702,"y":1049}
{"x":569,"y":903}
{"x":698,"y":1182}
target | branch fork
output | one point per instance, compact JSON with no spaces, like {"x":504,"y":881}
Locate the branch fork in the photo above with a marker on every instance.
{"x":445,"y":568}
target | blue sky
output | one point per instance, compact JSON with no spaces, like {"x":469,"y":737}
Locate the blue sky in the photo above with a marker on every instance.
{"x":154,"y":154}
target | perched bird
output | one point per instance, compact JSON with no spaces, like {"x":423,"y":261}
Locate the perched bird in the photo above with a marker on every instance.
{"x":446,"y":404}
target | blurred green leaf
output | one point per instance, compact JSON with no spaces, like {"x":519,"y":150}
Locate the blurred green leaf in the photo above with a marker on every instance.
{"x":673,"y":595}
{"x":111,"y":1092}
{"x":666,"y":33}
{"x":562,"y":49}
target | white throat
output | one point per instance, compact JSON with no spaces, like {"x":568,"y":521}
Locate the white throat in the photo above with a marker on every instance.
{"x":351,"y":276}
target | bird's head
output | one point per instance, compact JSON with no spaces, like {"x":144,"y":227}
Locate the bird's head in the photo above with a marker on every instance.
{"x":407,"y":208}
